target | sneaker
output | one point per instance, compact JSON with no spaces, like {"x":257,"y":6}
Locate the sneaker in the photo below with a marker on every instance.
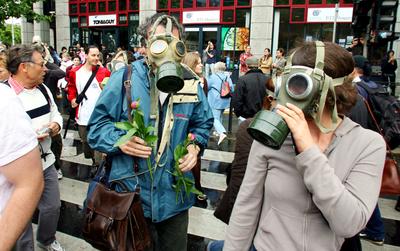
{"x":54,"y":246}
{"x":373,"y":240}
{"x":222,"y":136}
{"x":59,"y":174}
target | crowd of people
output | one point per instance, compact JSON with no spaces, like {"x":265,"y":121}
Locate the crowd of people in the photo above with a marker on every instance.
{"x":319,"y":191}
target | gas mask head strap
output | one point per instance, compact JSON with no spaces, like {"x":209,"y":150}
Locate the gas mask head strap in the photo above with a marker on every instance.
{"x":327,"y":84}
{"x":168,"y":28}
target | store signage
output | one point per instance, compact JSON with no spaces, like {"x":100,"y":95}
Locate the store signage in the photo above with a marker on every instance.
{"x":103,"y":20}
{"x":200,"y":17}
{"x":321,"y":15}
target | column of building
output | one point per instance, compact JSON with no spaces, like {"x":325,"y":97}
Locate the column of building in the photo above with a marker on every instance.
{"x":62,"y":24}
{"x":261,"y":26}
{"x":147,"y":9}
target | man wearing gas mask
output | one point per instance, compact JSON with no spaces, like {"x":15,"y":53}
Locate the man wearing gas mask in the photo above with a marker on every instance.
{"x":175,"y":106}
{"x":313,"y":175}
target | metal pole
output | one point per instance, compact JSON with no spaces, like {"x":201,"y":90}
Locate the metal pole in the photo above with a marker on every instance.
{"x":12,"y":32}
{"x":335,"y":21}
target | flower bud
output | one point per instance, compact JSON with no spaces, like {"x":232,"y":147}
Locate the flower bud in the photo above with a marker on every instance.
{"x":135,"y":105}
{"x":191,"y":136}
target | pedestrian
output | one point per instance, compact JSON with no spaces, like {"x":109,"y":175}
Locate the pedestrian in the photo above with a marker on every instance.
{"x":243,"y":67}
{"x":193,"y":61}
{"x":389,"y":66}
{"x":218,"y":104}
{"x":310,"y":194}
{"x":265,"y":63}
{"x":250,"y":91}
{"x":81,"y":84}
{"x":28,"y":69}
{"x":211,"y":58}
{"x":189,"y":112}
{"x":278,"y":66}
{"x":21,"y":175}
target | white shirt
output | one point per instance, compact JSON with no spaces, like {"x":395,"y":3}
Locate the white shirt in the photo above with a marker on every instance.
{"x":86,"y":107}
{"x":17,"y":137}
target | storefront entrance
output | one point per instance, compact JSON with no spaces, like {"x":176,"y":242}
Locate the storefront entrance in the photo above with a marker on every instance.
{"x":196,"y":38}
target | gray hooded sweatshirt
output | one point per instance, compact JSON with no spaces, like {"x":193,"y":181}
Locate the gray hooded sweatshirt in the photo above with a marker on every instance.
{"x":310,"y":201}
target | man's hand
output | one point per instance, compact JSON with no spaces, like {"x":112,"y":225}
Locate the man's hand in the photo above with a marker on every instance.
{"x":54,"y":128}
{"x":73,"y":103}
{"x":136,"y":147}
{"x":190,"y":159}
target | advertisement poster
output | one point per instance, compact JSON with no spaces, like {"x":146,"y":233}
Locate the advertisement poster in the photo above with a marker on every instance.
{"x":234,"y":38}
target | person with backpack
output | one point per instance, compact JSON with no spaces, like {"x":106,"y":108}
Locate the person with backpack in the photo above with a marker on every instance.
{"x":374,"y":230}
{"x":28,"y":69}
{"x":83,"y":91}
{"x":219,"y":97}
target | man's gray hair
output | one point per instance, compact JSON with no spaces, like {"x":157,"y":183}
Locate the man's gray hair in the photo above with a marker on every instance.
{"x":144,"y":28}
{"x":219,"y":67}
{"x":19,"y":54}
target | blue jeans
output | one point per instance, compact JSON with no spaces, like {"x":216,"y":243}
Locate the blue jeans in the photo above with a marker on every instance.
{"x":219,"y":245}
{"x":375,"y":226}
{"x":217,"y":113}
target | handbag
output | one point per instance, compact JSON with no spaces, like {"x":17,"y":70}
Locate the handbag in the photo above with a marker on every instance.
{"x":225,"y":91}
{"x":114,"y":220}
{"x":390,"y":177}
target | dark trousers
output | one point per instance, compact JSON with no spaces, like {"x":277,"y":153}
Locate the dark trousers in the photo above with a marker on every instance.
{"x":170,"y":234}
{"x":375,"y":226}
{"x":87,"y":151}
{"x":352,"y":244}
{"x":56,"y":148}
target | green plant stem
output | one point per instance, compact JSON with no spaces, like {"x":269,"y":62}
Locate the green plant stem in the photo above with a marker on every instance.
{"x":149,"y":167}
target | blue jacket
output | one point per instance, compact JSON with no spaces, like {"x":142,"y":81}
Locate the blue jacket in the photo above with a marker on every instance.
{"x":158,"y":197}
{"x":214,"y":87}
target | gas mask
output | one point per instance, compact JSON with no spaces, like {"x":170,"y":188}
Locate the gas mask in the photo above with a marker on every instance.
{"x":119,"y":61}
{"x":304,"y":87}
{"x":165,"y":52}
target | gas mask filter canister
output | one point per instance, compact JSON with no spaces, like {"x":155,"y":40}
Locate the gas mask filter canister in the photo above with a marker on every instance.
{"x":304,"y":87}
{"x":165,"y":52}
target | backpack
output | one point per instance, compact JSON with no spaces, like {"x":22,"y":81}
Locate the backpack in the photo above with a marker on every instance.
{"x":225,"y":91}
{"x":386,"y":109}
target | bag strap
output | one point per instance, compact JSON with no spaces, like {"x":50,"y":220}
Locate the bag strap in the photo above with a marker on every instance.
{"x":378,"y":127}
{"x":90,"y":81}
{"x":43,"y":90}
{"x":126,"y":80}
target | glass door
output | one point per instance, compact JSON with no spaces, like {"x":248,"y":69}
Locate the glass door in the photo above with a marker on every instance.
{"x":192,"y":35}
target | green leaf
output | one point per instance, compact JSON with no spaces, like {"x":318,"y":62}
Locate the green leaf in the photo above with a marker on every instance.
{"x":139,"y":121}
{"x":123,"y":125}
{"x":125,"y":138}
{"x":150,"y":129}
{"x":150,"y":139}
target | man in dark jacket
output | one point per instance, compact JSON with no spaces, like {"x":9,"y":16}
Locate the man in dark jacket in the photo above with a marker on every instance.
{"x":250,"y":91}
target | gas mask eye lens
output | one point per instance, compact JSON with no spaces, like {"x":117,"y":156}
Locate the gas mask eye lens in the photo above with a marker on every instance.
{"x":158,"y":47}
{"x":299,"y":86}
{"x":180,"y":49}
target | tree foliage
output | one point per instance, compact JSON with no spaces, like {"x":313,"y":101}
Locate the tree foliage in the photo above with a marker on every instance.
{"x":17,"y":9}
{"x":5,"y":34}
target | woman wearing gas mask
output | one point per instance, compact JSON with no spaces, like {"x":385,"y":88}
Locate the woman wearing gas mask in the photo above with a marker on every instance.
{"x":319,"y":184}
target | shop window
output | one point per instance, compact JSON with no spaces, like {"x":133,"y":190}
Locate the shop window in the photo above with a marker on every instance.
{"x":134,"y":17}
{"x":297,"y":14}
{"x":112,"y":6}
{"x":133,"y":4}
{"x":281,"y":2}
{"x":92,"y":7}
{"x":82,"y":8}
{"x":228,"y":2}
{"x":243,"y":2}
{"x":177,"y":15}
{"x":163,"y":4}
{"x":175,"y":3}
{"x":201,"y":3}
{"x":188,"y":4}
{"x":123,"y":19}
{"x":73,"y":8}
{"x":102,"y":6}
{"x":214,"y":3}
{"x":74,"y":20}
{"x":227,"y":16}
{"x":241,"y":16}
{"x":315,"y":1}
{"x":122,"y":5}
{"x":331,"y":1}
{"x":348,"y":1}
{"x":298,"y":1}
{"x":83,"y":21}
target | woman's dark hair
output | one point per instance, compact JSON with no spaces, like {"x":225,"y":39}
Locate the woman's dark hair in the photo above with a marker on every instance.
{"x":338,"y":63}
{"x":281,"y":50}
{"x":269,"y":51}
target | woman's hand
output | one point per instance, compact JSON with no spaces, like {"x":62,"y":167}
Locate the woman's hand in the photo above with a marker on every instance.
{"x":297,"y":124}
